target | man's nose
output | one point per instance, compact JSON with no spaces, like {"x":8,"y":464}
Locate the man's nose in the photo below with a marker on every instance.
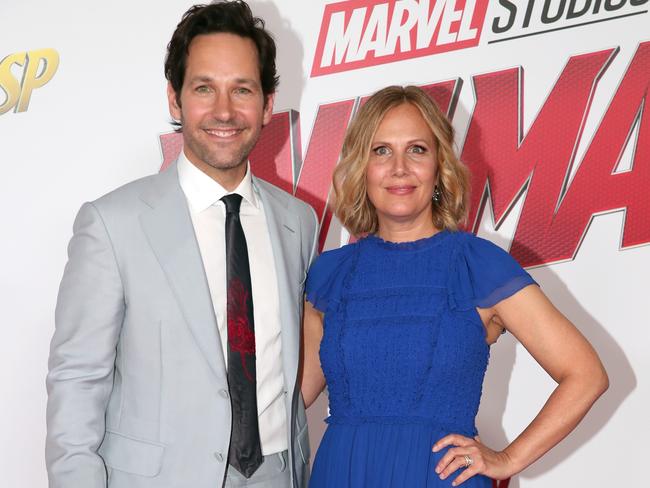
{"x":222,"y":109}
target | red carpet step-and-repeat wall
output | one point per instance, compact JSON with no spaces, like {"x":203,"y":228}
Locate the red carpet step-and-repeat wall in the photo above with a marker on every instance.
{"x":550,"y":102}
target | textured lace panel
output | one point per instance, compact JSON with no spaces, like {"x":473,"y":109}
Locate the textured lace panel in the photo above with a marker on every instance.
{"x":383,"y":268}
{"x":456,"y":379}
{"x":418,"y":245}
{"x":396,"y":342}
{"x":386,"y":377}
{"x":331,"y":350}
{"x":403,"y":302}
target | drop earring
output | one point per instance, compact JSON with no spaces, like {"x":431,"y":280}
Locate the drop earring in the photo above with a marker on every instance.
{"x":436,"y":195}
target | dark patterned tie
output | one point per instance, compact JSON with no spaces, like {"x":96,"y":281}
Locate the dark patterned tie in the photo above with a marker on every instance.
{"x":245,"y":453}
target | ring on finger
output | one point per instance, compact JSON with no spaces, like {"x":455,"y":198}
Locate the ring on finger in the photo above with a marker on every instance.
{"x":468,"y":461}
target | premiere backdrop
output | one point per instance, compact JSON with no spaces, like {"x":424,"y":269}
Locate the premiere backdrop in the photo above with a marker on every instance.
{"x":549,"y":100}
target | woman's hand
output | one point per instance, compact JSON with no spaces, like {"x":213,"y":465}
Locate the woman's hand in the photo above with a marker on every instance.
{"x":473,"y":456}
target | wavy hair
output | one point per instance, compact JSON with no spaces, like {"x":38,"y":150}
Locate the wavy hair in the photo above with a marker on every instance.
{"x":351,"y":203}
{"x":232,"y":17}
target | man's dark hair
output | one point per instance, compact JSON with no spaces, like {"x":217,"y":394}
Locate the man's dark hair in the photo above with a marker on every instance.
{"x":232,"y":17}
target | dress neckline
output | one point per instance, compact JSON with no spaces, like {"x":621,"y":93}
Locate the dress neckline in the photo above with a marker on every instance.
{"x":417,"y":245}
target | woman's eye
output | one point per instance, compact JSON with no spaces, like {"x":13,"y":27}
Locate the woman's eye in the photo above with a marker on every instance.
{"x":381,"y":150}
{"x":418,"y":149}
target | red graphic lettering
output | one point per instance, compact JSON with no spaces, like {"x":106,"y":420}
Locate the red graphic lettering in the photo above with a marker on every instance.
{"x":505,"y":163}
{"x":596,"y":188}
{"x":315,"y":177}
{"x":498,"y":153}
{"x":171,"y":145}
{"x":362,"y":33}
{"x":277,"y":156}
{"x":273,"y":157}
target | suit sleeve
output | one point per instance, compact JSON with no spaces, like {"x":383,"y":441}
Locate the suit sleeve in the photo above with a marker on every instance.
{"x":89,"y":313}
{"x":314,"y":242}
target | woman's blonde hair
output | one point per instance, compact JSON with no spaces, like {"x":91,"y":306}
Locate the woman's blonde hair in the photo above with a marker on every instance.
{"x":351,"y":203}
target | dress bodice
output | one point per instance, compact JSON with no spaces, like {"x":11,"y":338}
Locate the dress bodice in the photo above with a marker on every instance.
{"x":403,"y":342}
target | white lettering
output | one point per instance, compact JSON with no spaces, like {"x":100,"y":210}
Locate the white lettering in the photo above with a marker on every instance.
{"x":374,"y":39}
{"x":341,"y":41}
{"x":426,"y":25}
{"x":399,"y":30}
{"x":436,"y":23}
{"x":450,"y":15}
{"x":465,"y":32}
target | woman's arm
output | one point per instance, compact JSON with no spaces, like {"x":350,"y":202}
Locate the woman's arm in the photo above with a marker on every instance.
{"x":566,"y":356}
{"x":312,"y":380}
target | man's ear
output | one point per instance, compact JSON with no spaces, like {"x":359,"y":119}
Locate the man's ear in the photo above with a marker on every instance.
{"x":268,"y":109}
{"x":174,"y":106}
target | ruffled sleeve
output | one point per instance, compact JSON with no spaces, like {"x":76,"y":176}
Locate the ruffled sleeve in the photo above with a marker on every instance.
{"x":326,"y":277}
{"x":482,"y":274}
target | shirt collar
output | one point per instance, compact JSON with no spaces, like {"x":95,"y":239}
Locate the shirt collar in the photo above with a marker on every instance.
{"x":202,"y":191}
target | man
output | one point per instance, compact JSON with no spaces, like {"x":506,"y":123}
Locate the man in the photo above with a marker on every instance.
{"x":163,"y":371}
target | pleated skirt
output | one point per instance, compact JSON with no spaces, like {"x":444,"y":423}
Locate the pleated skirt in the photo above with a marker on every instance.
{"x":375,"y":455}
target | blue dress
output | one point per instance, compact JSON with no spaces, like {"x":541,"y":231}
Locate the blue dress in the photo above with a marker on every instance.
{"x":404,"y":353}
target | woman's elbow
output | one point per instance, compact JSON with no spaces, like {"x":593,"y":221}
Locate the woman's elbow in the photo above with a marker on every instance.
{"x":595,"y":382}
{"x":601,"y":381}
{"x":593,"y":375}
{"x":590,"y":380}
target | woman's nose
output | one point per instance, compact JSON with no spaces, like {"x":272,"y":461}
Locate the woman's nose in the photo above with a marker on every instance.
{"x":399,"y":164}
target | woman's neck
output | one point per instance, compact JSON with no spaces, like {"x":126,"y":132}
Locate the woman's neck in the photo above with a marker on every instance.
{"x":406,"y":231}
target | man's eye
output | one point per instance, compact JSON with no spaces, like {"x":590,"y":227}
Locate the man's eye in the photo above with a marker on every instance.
{"x":202,"y":89}
{"x":381,"y":150}
{"x":242,"y":91}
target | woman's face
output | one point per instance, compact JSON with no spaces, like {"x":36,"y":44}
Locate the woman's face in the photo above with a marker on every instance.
{"x":402,"y":167}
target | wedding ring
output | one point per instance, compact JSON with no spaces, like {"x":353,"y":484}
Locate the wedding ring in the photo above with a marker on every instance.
{"x":468,"y":461}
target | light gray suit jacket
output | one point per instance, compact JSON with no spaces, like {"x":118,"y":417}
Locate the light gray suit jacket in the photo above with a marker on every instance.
{"x":138,"y":394}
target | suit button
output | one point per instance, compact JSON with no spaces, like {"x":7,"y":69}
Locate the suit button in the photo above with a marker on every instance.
{"x":218,"y":456}
{"x":224,"y":393}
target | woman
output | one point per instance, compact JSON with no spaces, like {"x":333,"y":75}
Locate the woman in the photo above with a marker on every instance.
{"x":403,"y":318}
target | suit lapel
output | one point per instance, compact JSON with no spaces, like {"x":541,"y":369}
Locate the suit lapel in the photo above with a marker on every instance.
{"x":284,"y":231}
{"x":168,"y":226}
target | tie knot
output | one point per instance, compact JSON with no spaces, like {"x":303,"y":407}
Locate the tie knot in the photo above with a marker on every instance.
{"x":232,"y":202}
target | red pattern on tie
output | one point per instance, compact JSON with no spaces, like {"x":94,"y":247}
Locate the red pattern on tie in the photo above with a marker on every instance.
{"x":240,"y":334}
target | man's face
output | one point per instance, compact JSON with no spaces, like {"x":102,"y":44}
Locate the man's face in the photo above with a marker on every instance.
{"x":222,"y":107}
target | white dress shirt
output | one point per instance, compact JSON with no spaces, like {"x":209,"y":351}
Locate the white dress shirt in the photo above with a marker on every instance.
{"x":209,"y":219}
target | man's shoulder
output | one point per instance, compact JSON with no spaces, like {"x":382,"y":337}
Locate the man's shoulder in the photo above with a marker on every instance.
{"x":291,"y":202}
{"x":128,"y":195}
